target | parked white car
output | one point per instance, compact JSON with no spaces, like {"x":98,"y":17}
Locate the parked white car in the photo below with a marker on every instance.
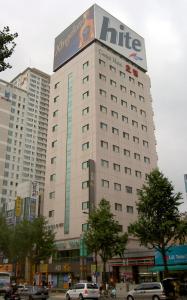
{"x":83,"y":290}
{"x":147,"y":291}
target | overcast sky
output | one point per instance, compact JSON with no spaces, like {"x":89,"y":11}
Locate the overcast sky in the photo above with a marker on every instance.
{"x":162,"y":23}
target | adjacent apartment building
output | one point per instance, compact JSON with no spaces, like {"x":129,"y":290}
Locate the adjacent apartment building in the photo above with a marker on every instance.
{"x":24,"y":106}
{"x":101,"y":141}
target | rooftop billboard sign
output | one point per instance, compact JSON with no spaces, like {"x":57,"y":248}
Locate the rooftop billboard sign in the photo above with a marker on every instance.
{"x":97,"y":24}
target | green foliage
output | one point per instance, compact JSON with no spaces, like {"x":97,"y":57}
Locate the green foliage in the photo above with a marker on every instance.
{"x":5,"y":236}
{"x":104,"y":234}
{"x":27,"y":239}
{"x":7,"y":46}
{"x":158,"y":214}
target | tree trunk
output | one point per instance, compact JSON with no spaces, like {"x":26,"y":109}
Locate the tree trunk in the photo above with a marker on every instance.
{"x":104,"y":272}
{"x":163,"y":252}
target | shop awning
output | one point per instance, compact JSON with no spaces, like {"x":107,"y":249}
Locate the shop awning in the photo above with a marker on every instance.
{"x":170,"y":268}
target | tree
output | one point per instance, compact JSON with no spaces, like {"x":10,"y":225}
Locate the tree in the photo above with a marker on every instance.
{"x":7,"y":46}
{"x":28,"y":239}
{"x":158,"y":215}
{"x":104,"y":236}
{"x":5,"y":237}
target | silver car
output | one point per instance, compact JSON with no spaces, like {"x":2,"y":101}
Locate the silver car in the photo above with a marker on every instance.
{"x":147,"y":291}
{"x":83,"y":290}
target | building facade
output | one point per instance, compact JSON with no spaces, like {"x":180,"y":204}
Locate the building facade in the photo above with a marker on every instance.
{"x":23,"y":134}
{"x":101,"y":141}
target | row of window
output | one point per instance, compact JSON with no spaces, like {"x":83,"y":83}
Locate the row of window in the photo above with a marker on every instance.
{"x":106,"y":184}
{"x":116,"y":148}
{"x":116,"y":167}
{"x":103,"y":93}
{"x":117,"y":207}
{"x":113,"y":69}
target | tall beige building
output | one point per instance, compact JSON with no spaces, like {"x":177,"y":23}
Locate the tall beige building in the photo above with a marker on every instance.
{"x":101,"y":141}
{"x":23,"y":134}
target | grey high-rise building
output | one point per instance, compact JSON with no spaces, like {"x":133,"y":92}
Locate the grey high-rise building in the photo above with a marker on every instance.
{"x":24,"y":106}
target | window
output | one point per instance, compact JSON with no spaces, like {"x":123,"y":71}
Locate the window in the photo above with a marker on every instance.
{"x":122,"y":88}
{"x":122,"y":74}
{"x":118,"y":206}
{"x":116,"y":167}
{"x":126,"y":135}
{"x":141,"y":98}
{"x":115,"y":148}
{"x":134,"y":123}
{"x":103,"y":125}
{"x":123,"y":103}
{"x":85,"y":164}
{"x":56,"y":85}
{"x":85,"y":111}
{"x":132,"y":93}
{"x":102,"y":92}
{"x":103,"y":109}
{"x":85,"y":146}
{"x":115,"y":131}
{"x":144,"y":127}
{"x":104,"y":183}
{"x":134,"y":108}
{"x":51,"y":213}
{"x":102,"y":77}
{"x":138,"y":174}
{"x":127,"y":170}
{"x":85,"y":128}
{"x":85,"y":79}
{"x":85,"y":205}
{"x":104,"y":163}
{"x":126,"y":152}
{"x":146,"y":160}
{"x":51,"y":195}
{"x":114,"y":98}
{"x":85,"y":95}
{"x":130,"y":209}
{"x":112,"y":68}
{"x":136,"y":139}
{"x":145,"y":143}
{"x":85,"y":184}
{"x":117,"y":186}
{"x":54,"y":143}
{"x":54,"y":128}
{"x":85,"y":65}
{"x":55,"y":99}
{"x":52,"y":177}
{"x":140,"y":84}
{"x":112,"y":82}
{"x":53,"y":160}
{"x":142,"y":112}
{"x":101,"y":62}
{"x":104,"y":144}
{"x":124,"y":119}
{"x":138,"y":191}
{"x":114,"y":114}
{"x":137,"y":156}
{"x":131,"y":79}
{"x":55,"y":113}
{"x":128,"y":189}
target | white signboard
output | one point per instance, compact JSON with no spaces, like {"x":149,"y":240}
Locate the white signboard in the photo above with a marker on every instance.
{"x":119,"y":37}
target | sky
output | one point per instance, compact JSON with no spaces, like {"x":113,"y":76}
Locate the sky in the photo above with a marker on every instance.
{"x":162,"y":23}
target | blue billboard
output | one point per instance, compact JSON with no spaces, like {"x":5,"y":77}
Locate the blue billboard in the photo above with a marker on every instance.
{"x":175,"y":255}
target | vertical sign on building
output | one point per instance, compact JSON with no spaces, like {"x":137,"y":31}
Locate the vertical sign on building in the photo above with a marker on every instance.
{"x":91,"y":184}
{"x":18,"y":207}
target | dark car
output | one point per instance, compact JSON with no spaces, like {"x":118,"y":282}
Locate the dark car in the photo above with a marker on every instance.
{"x":35,"y":292}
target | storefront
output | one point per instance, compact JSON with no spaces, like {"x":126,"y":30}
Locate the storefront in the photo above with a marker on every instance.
{"x":176,"y":261}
